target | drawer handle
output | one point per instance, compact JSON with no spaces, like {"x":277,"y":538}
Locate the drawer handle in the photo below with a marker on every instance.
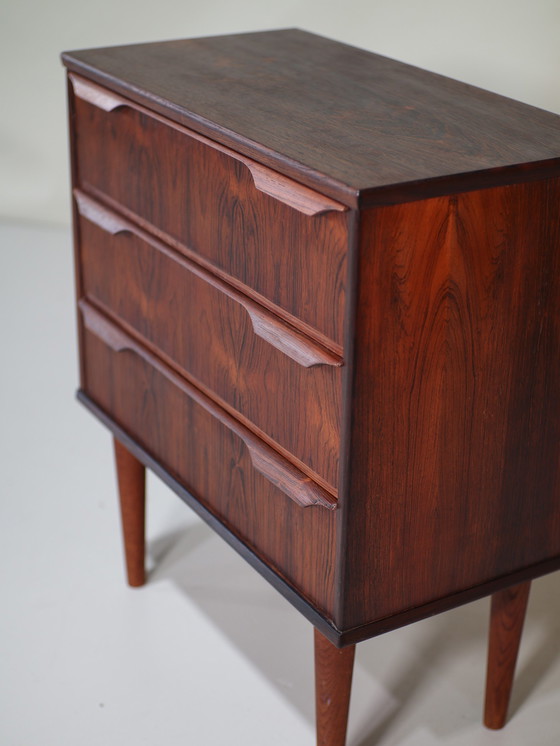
{"x":96,"y":95}
{"x":108,"y":221}
{"x":293,"y":344}
{"x":280,"y":187}
{"x":296,"y":346}
{"x":278,"y":470}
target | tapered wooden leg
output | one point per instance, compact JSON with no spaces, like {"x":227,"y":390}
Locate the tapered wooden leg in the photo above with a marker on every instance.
{"x":506,"y":625}
{"x":333,"y":682}
{"x":131,"y":477}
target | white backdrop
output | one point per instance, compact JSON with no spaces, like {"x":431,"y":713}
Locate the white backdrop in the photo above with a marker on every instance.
{"x":509,"y":46}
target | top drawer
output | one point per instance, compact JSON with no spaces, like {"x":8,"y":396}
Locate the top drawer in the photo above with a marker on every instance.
{"x":273,"y":235}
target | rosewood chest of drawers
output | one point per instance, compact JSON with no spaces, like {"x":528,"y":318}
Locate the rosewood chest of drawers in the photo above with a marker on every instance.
{"x":319,"y":295}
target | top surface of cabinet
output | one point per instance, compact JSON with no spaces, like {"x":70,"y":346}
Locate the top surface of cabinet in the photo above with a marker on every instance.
{"x":388,"y":131}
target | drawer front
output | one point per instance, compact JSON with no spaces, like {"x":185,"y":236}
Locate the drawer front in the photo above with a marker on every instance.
{"x":274,"y":377}
{"x":218,"y":206}
{"x":238,"y":479}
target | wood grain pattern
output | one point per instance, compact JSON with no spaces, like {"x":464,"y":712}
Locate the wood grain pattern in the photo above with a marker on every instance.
{"x":333,"y":683}
{"x":280,"y":472}
{"x":262,"y":301}
{"x":288,"y":191}
{"x":456,"y":410}
{"x":506,"y":626}
{"x":132,"y":496}
{"x":193,"y":446}
{"x":207,"y":331}
{"x":316,"y":617}
{"x":266,"y":245}
{"x":266,"y":325}
{"x":341,"y":120}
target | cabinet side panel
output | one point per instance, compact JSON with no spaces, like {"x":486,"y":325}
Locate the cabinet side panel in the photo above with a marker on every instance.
{"x":455,"y":438}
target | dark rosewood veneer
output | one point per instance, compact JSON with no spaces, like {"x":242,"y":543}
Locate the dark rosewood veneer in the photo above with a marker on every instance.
{"x":319,"y":296}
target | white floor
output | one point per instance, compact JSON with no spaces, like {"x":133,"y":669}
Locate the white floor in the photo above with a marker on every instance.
{"x":207,"y":653}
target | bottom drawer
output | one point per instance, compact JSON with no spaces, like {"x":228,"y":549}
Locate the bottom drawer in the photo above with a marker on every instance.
{"x":256,"y":493}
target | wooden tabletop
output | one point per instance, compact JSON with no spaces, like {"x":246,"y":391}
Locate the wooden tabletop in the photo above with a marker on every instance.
{"x":357,"y":126}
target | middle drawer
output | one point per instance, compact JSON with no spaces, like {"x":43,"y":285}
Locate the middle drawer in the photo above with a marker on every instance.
{"x":284,"y":385}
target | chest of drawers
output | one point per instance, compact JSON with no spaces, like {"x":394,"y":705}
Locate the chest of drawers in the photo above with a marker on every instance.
{"x":319,"y":295}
